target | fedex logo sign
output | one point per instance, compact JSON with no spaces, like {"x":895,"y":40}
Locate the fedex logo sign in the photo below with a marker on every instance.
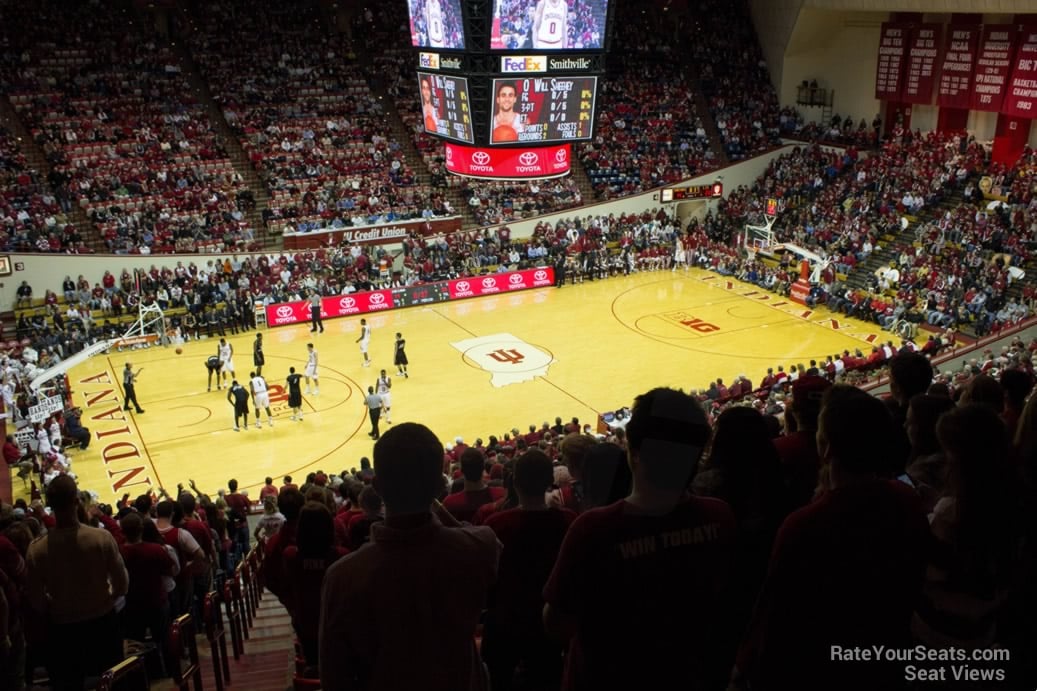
{"x":429,"y":61}
{"x":523,"y":63}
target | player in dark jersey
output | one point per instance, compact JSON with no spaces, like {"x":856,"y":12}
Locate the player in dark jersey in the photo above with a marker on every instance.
{"x":213,"y":364}
{"x":258,"y":359}
{"x":400,"y":356}
{"x":295,"y":394}
{"x":238,"y":396}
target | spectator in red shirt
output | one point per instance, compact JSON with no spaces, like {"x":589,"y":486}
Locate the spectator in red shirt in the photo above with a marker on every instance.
{"x":668,"y":557}
{"x":238,"y":507}
{"x":531,"y":535}
{"x":268,"y":490}
{"x":868,"y":536}
{"x":305,"y":564}
{"x":148,"y":564}
{"x":797,"y":449}
{"x":463,"y":505}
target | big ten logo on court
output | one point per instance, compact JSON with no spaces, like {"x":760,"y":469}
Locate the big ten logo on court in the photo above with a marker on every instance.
{"x":278,"y":398}
{"x":508,"y":359}
{"x":692,"y":322}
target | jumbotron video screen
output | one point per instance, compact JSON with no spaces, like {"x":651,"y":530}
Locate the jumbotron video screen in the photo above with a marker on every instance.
{"x":549,"y":25}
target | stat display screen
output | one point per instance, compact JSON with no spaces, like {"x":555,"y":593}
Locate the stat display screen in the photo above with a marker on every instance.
{"x":445,"y":106}
{"x":543,"y":110}
{"x":423,"y":294}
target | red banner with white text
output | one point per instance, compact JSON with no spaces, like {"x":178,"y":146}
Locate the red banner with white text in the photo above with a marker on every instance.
{"x":1021,"y":95}
{"x":889,"y":72}
{"x":923,"y":56}
{"x":509,"y":164}
{"x":959,"y":59}
{"x":992,"y":67}
{"x":287,"y":313}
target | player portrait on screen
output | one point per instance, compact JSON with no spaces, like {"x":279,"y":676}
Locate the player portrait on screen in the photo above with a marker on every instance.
{"x":428,"y":109}
{"x":548,"y":24}
{"x":436,"y":24}
{"x":506,"y":122}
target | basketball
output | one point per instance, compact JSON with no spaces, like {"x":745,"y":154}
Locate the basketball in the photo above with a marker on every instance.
{"x":504,"y":133}
{"x":179,"y":351}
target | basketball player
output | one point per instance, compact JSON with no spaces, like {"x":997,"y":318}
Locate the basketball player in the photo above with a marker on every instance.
{"x":550,"y":24}
{"x":400,"y":356}
{"x":226,"y":353}
{"x":311,"y":369}
{"x":295,"y":394}
{"x":427,"y":109}
{"x":238,"y":397}
{"x":213,"y":365}
{"x":260,"y":397}
{"x":506,"y":123}
{"x":258,"y":359}
{"x":382,"y":387}
{"x":365,"y":341}
{"x":434,"y":22}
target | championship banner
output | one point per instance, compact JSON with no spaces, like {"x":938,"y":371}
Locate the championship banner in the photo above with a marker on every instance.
{"x":992,"y":67}
{"x":1021,"y":97}
{"x":45,"y":408}
{"x":959,"y":58}
{"x":923,"y":56}
{"x":892,"y":53}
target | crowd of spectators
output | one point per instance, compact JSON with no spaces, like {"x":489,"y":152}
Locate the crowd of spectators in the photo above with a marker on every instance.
{"x":734,"y":78}
{"x":291,"y":89}
{"x":105,"y":100}
{"x":530,"y":532}
{"x":33,"y":214}
{"x":838,"y":131}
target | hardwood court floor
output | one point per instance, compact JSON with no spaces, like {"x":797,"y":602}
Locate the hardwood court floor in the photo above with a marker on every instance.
{"x":478,"y":367}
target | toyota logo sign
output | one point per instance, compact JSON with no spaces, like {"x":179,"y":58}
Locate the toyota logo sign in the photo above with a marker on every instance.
{"x":489,"y":282}
{"x":528,"y":158}
{"x":284,"y":311}
{"x":463,"y":286}
{"x":377,"y":298}
{"x":450,"y":154}
{"x":560,"y":155}
{"x":347,"y":303}
{"x":540,"y":276}
{"x":480,"y":158}
{"x":515,"y":278}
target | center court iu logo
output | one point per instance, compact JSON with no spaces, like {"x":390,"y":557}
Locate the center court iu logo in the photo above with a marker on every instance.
{"x":347,"y":303}
{"x":528,"y":158}
{"x":511,"y":356}
{"x":377,"y":298}
{"x":284,"y":311}
{"x":480,"y":158}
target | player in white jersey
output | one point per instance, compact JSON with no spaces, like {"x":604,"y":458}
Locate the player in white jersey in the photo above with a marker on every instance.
{"x":225,"y":351}
{"x":551,"y":24}
{"x":365,"y":341}
{"x":260,"y":397}
{"x":382,"y":387}
{"x":311,"y":369}
{"x":434,"y":22}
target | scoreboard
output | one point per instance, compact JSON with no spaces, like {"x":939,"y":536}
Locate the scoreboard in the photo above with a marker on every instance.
{"x":424,"y":294}
{"x":510,"y":85}
{"x":676,"y":194}
{"x":445,"y":106}
{"x":543,"y":110}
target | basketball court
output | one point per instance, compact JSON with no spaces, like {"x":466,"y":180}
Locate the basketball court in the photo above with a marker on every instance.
{"x":478,"y":367}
